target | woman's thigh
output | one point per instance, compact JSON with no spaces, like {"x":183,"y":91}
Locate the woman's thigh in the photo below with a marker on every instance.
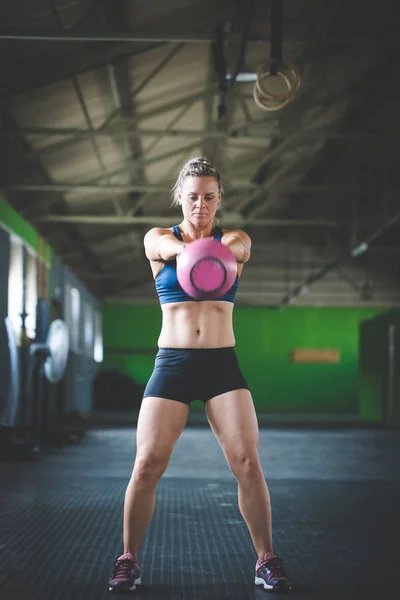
{"x":233,"y":419}
{"x":160,"y":423}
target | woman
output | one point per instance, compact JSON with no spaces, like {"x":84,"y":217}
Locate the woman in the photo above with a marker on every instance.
{"x":196,"y":338}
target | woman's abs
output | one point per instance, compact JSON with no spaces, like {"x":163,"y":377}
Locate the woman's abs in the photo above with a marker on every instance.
{"x":197,"y":325}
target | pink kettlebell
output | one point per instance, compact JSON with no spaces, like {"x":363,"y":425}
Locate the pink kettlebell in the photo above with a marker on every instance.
{"x":206,"y":269}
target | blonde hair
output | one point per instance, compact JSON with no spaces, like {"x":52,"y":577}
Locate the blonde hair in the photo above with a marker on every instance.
{"x":195,"y":167}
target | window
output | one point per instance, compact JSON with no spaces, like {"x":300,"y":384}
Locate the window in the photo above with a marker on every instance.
{"x":75,"y":319}
{"x":72,"y":316}
{"x":31,"y":294}
{"x":67,"y":307}
{"x":88,"y":329}
{"x":98,"y":338}
{"x":16,"y":285}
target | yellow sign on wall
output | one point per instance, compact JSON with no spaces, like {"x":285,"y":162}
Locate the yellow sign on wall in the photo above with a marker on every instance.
{"x":315,"y":355}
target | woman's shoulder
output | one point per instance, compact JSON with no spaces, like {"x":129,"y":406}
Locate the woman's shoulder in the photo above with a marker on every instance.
{"x":156,"y":232}
{"x":159,"y":230}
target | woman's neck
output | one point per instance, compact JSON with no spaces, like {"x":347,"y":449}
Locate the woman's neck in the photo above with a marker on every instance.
{"x":193,"y":233}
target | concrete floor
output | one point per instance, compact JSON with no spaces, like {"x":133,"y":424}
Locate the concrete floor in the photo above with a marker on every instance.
{"x":336,"y":515}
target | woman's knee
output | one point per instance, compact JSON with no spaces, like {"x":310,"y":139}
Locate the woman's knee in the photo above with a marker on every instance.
{"x":245,"y":464}
{"x":149,"y":467}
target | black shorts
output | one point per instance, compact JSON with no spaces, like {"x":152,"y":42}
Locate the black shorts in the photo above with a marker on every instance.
{"x":187,"y":374}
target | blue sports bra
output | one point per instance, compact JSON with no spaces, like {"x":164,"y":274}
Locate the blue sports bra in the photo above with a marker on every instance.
{"x":168,"y":287}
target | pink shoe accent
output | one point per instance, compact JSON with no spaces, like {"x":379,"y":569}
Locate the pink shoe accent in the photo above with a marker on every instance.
{"x":128,"y":556}
{"x":267,"y":556}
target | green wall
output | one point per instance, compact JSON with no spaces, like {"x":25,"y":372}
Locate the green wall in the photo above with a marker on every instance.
{"x":264,"y":340}
{"x":17,"y":224}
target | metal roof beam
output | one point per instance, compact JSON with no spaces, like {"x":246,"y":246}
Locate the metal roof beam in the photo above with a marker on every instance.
{"x":116,"y":201}
{"x":129,"y":123}
{"x":73,"y":233}
{"x":233,"y":184}
{"x":254,"y":131}
{"x":72,"y":64}
{"x":128,"y":97}
{"x":114,"y":188}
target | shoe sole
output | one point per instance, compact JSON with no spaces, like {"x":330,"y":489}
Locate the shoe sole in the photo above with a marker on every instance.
{"x":122,"y":590}
{"x":283,"y":588}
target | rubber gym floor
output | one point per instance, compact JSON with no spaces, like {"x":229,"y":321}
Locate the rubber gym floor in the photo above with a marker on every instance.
{"x":336,"y":518}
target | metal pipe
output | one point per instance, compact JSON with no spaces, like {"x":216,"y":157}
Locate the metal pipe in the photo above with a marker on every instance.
{"x":167,"y":221}
{"x":293,"y":30}
{"x":38,"y":35}
{"x":276,"y":36}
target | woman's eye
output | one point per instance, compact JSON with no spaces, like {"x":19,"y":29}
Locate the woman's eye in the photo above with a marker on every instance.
{"x":194,"y":198}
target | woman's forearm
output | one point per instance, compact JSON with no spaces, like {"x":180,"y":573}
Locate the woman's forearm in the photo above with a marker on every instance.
{"x":168,"y":247}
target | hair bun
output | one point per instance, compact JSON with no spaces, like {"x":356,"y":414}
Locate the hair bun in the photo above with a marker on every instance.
{"x":198,"y":159}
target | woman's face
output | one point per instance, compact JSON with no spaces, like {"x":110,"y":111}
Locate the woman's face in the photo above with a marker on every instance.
{"x":199,"y":198}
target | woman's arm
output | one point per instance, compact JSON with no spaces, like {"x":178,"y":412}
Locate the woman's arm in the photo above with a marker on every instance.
{"x":239,"y":243}
{"x":161,"y":244}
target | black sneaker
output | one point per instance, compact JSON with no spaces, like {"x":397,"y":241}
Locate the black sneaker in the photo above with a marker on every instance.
{"x":126,"y":574}
{"x":271,"y":574}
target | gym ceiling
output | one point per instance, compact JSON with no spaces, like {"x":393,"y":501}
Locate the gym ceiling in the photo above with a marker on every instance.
{"x":102,"y":101}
